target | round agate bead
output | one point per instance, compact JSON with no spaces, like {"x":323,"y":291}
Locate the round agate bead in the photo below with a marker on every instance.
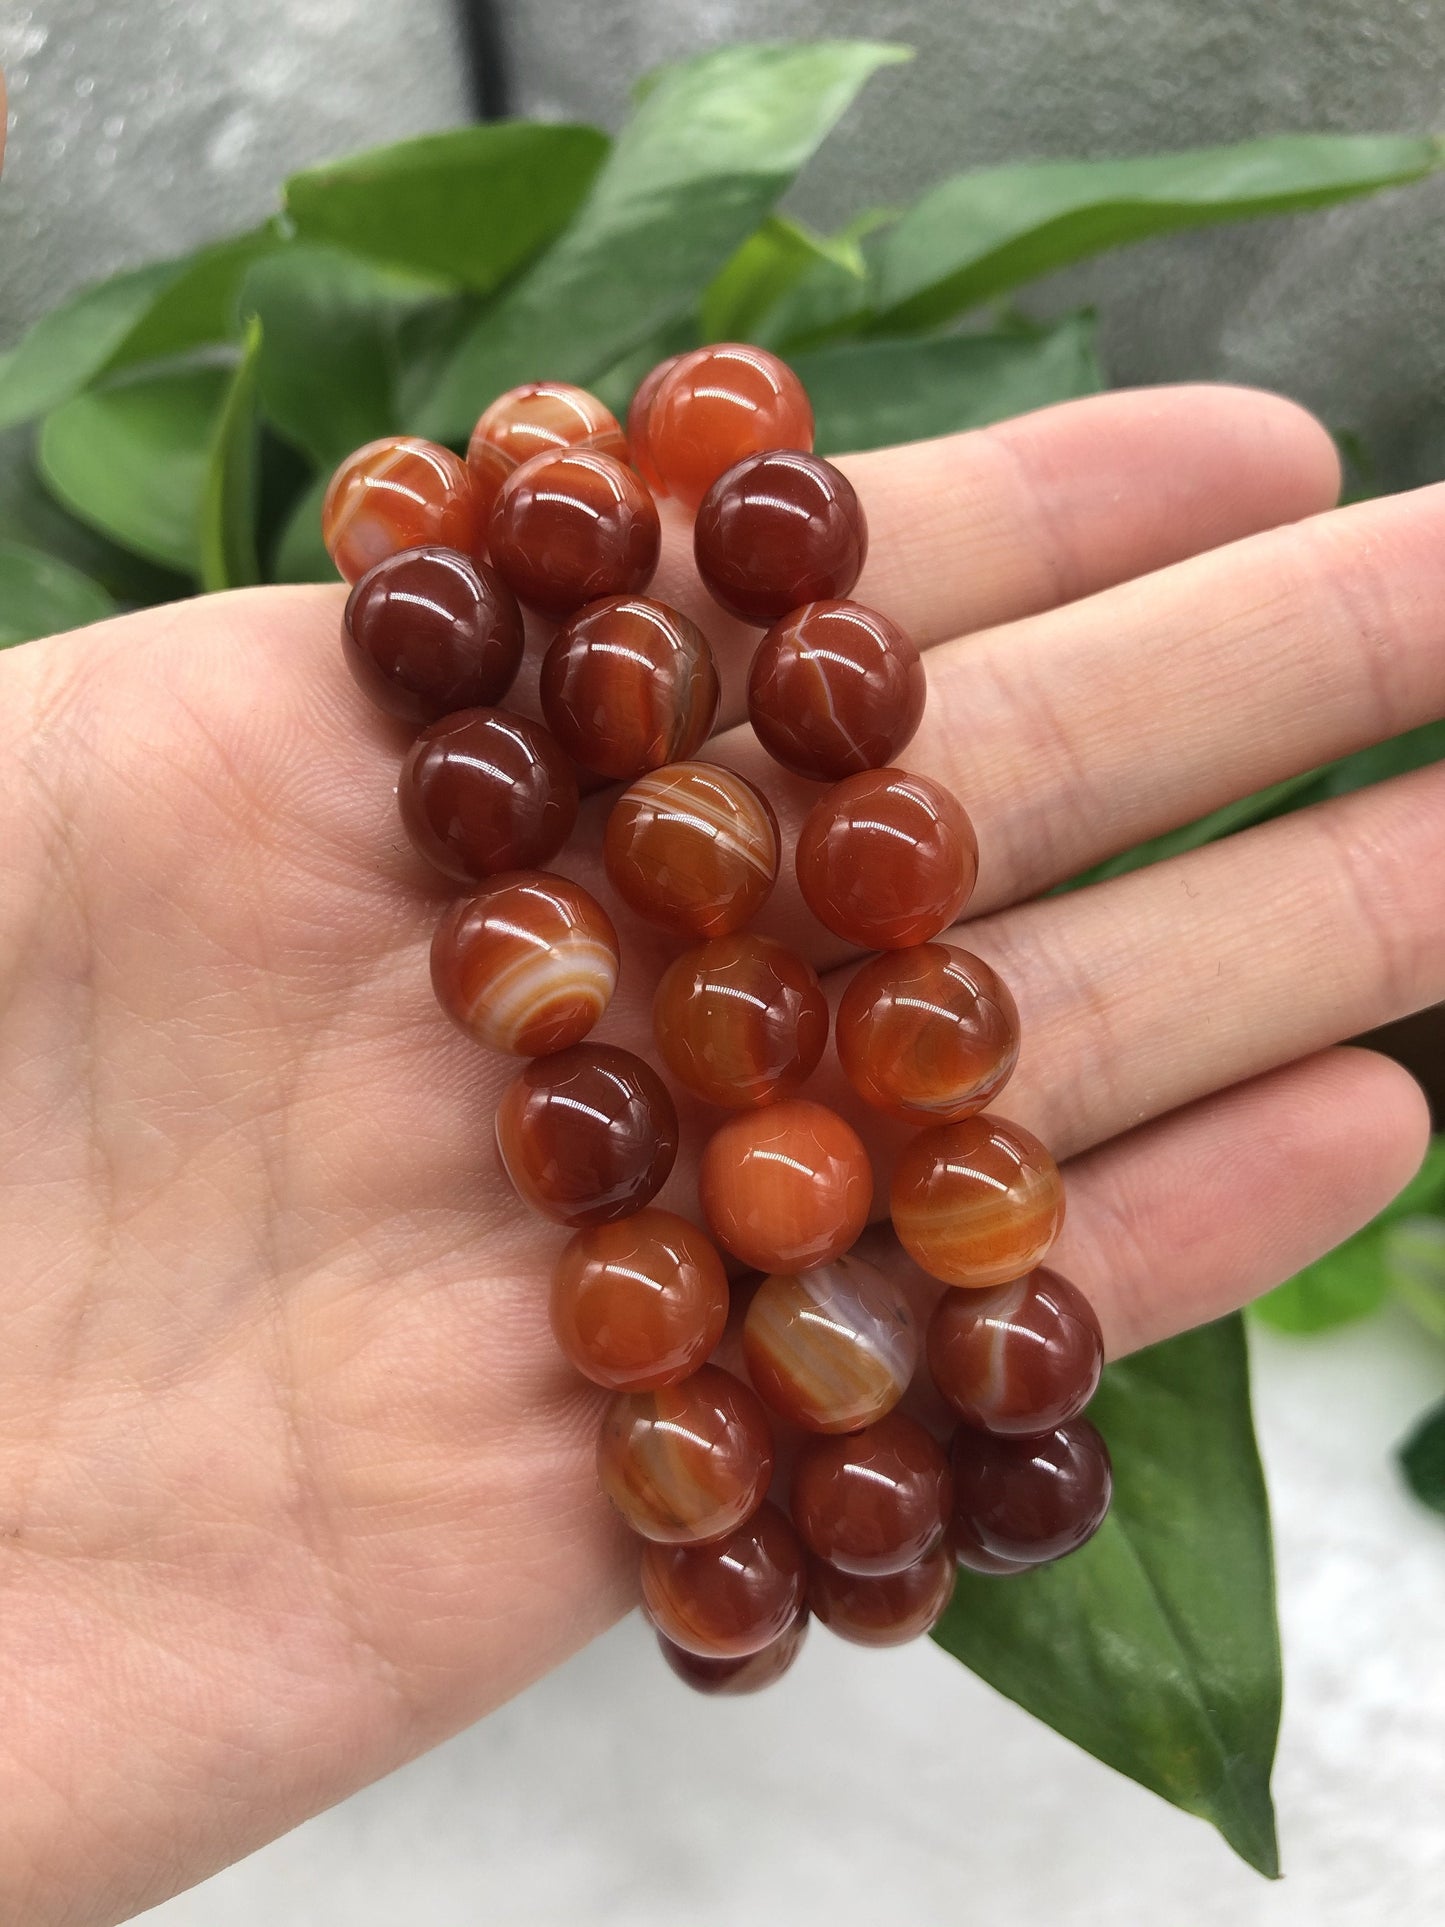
{"x":929,"y":1034}
{"x":778,"y":530}
{"x":886,"y":859}
{"x":639,"y":412}
{"x":1019,"y":1358}
{"x":640,"y":1303}
{"x":786,"y":1187}
{"x":977,"y":1203}
{"x":713,"y":407}
{"x":693,"y":848}
{"x":527,"y":965}
{"x":484,"y":791}
{"x":587,"y":1135}
{"x":628,"y":685}
{"x":832,"y":1348}
{"x":399,"y":493}
{"x":718,"y":1677}
{"x":740,"y":1020}
{"x":537,"y":419}
{"x":429,"y":631}
{"x":882,"y":1610}
{"x":731,"y":1598}
{"x":1026,"y":1501}
{"x":874,"y":1503}
{"x":688,"y":1462}
{"x":835,"y":688}
{"x":570,"y":527}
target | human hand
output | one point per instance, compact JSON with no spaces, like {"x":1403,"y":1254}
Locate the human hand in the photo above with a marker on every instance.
{"x":293,"y":1482}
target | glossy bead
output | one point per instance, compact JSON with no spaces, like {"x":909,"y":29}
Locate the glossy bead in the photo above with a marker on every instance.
{"x":688,"y":1462}
{"x":569,"y":528}
{"x":731,"y":1598}
{"x":886,"y":1610}
{"x":628,"y":685}
{"x":719,"y":1677}
{"x":929,"y":1034}
{"x":428,"y":631}
{"x":398,"y":493}
{"x":977,"y":1203}
{"x":740,"y":1020}
{"x":693,"y":848}
{"x":587,"y":1135}
{"x":833,"y":1348}
{"x":536,"y":419}
{"x":1022,"y":1357}
{"x":716,"y":405}
{"x":641,"y":1303}
{"x":1026,"y":1501}
{"x":778,"y":530}
{"x":965,"y":1548}
{"x":874,"y":1503}
{"x":835,"y":688}
{"x":484,"y":791}
{"x":886,"y":859}
{"x":527,"y":965}
{"x":786,"y":1187}
{"x":639,"y":411}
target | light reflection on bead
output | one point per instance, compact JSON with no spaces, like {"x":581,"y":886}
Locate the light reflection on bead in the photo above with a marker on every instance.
{"x":535,"y":419}
{"x":628,"y":685}
{"x":484,"y":791}
{"x":587,"y":1135}
{"x":693,"y":848}
{"x":398,"y":493}
{"x":570,"y":527}
{"x":786,"y":1187}
{"x":741,"y":1020}
{"x":1028,"y":1501}
{"x":688,"y":1462}
{"x":887,"y":859}
{"x":875,"y":1502}
{"x":977,"y":1203}
{"x":716,"y":405}
{"x":832,"y":1348}
{"x":929,"y":1034}
{"x":527,"y":965}
{"x":1019,"y":1358}
{"x":731,"y":1598}
{"x":888,"y":1610}
{"x":640,"y":1303}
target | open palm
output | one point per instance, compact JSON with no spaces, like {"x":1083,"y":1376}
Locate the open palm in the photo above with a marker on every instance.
{"x":292,"y":1481}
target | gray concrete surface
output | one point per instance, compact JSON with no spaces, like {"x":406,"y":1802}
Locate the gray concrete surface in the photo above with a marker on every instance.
{"x":895,"y":1788}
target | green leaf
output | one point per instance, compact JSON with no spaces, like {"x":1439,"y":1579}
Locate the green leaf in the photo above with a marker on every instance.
{"x":1422,"y":1458}
{"x":870,"y":394}
{"x":1415,"y":1257}
{"x":164,"y":309}
{"x":330,"y":355}
{"x":972,"y":237}
{"x":747,"y":299}
{"x":468,"y":206}
{"x":132,"y":457}
{"x":1355,"y":1278}
{"x":301,"y":554}
{"x":228,"y":501}
{"x":41,"y":597}
{"x":1397,"y":757}
{"x":710,"y":148}
{"x":1155,"y":1647}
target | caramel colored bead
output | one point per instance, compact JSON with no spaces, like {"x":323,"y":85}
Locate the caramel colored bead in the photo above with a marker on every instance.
{"x":694,"y":849}
{"x":641,"y":1303}
{"x":977,"y":1203}
{"x":639,"y":413}
{"x":835,"y":688}
{"x":1022,"y":1357}
{"x":528,"y":965}
{"x":886,"y":859}
{"x":716,"y":405}
{"x":887,"y":1610}
{"x":1026,"y":1501}
{"x":428,"y":631}
{"x":587,"y":1135}
{"x":484,"y":791}
{"x":717,"y":1677}
{"x":732,"y":1598}
{"x":778,"y":530}
{"x":688,"y":1462}
{"x":628,"y":685}
{"x":537,"y":419}
{"x":740,"y":1020}
{"x":571,"y":527}
{"x":786,"y":1187}
{"x":929,"y":1034}
{"x":874,"y":1503}
{"x":398,"y":493}
{"x":832,"y":1348}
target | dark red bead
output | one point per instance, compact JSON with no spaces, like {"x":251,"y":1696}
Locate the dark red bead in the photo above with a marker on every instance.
{"x":835,"y":688}
{"x":1019,"y":1358}
{"x":1028,"y":1500}
{"x":884,"y":1610}
{"x":874,"y":1502}
{"x":571,"y":527}
{"x":718,"y":1677}
{"x":628,"y":685}
{"x":729,"y":1598}
{"x":587,"y":1135}
{"x":886,"y":859}
{"x":778,"y":530}
{"x":427,"y":631}
{"x":485,"y":791}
